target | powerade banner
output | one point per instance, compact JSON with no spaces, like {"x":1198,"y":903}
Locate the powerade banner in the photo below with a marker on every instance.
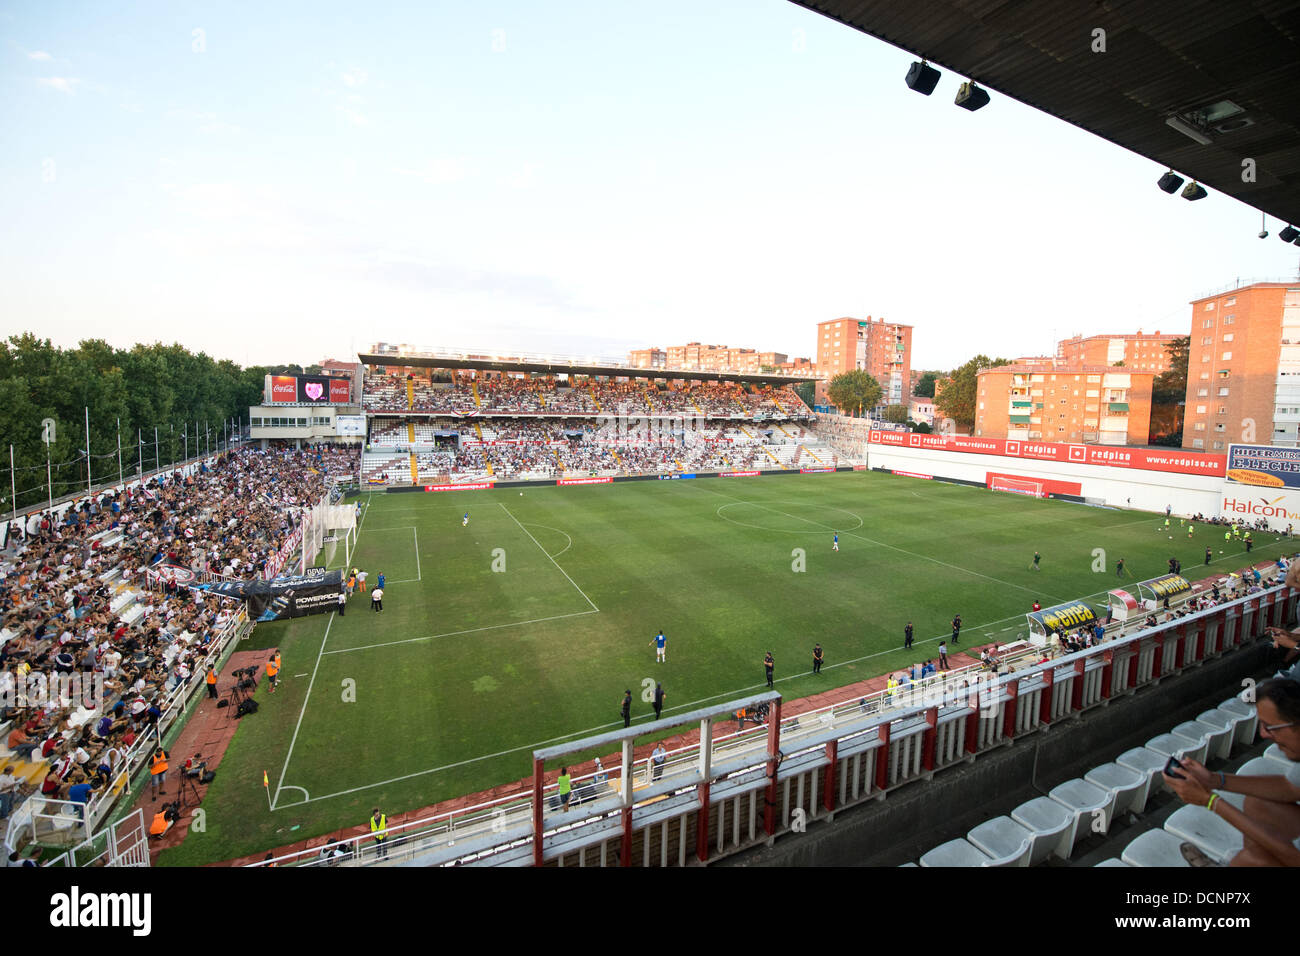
{"x":1264,"y":465}
{"x":290,"y":595}
{"x":1064,"y":616}
{"x":1173,"y":460}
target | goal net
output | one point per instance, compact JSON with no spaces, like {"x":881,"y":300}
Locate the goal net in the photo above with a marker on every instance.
{"x":327,"y":526}
{"x":1018,"y":486}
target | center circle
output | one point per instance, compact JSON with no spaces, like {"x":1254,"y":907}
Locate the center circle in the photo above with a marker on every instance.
{"x":773,"y":513}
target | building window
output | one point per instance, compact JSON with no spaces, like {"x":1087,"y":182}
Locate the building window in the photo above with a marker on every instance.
{"x":1227,"y":337}
{"x":1223,"y":392}
{"x":1209,"y":307}
{"x":1198,"y":442}
{"x":1207,"y":324}
{"x":1200,"y":409}
{"x":1207,"y":340}
{"x":1218,"y":444}
{"x":1199,"y":426}
{"x":1232,"y":301}
{"x":1227,"y":357}
{"x":1228,"y":319}
{"x":1218,"y":426}
{"x":1223,"y":409}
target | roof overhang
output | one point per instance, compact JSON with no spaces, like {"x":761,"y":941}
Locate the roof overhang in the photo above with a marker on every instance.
{"x":1162,"y":59}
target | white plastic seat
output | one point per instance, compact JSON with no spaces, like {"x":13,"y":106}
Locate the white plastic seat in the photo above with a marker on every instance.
{"x":1051,"y":825}
{"x":1274,"y":752}
{"x":1113,"y":861}
{"x":1246,"y":719}
{"x":955,"y":853}
{"x":1201,"y":733}
{"x":1222,"y":736}
{"x":1176,"y":745}
{"x":1003,"y":840}
{"x":1218,"y":839}
{"x":1147,"y":763}
{"x":1129,"y":787}
{"x":1155,"y":848}
{"x":1090,"y":806}
{"x":1261,"y":767}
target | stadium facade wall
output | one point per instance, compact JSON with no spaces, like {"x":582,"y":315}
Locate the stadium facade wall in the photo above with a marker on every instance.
{"x":1117,"y":486}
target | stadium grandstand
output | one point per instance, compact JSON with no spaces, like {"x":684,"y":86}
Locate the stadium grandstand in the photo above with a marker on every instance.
{"x":438,"y":421}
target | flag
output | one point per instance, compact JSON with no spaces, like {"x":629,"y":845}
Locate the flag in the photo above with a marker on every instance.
{"x":265,"y":782}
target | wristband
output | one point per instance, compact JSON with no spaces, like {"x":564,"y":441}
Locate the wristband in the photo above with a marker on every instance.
{"x":1214,"y":797}
{"x":1223,"y":781}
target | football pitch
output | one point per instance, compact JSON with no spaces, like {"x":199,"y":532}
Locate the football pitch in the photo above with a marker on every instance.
{"x":524,"y":628}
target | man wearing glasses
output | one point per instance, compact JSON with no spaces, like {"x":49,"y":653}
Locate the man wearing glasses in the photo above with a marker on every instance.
{"x":1269,"y":819}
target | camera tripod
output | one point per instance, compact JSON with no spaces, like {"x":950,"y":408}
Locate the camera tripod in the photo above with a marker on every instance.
{"x":186,"y":790}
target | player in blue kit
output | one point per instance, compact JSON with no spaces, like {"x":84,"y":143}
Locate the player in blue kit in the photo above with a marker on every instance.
{"x":660,"y":642}
{"x":464,"y":522}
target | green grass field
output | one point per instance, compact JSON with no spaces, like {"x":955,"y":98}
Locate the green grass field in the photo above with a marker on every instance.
{"x":468,"y":669}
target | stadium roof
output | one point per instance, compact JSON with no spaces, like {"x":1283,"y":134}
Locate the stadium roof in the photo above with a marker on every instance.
{"x":558,"y":365}
{"x":1162,"y":58}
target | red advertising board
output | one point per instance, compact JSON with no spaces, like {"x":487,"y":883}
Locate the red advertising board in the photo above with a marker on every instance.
{"x":911,"y":474}
{"x":284,"y":388}
{"x":480,"y":486}
{"x":1050,"y":486}
{"x":1116,"y":456}
{"x":739,"y":474}
{"x":814,"y":471}
{"x":584,"y":481}
{"x":340,"y":391}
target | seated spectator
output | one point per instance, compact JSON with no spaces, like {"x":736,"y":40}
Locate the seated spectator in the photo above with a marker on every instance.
{"x":1269,"y":819}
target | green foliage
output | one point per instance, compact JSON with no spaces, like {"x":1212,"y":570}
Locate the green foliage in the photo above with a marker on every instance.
{"x":922,"y":428}
{"x":806,"y":391}
{"x":1168,"y":393}
{"x":925,"y":385}
{"x":150,"y":386}
{"x":854,"y":393}
{"x":956,"y":394}
{"x":896,"y":414}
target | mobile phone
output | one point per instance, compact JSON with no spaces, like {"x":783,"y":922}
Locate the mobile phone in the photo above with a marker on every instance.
{"x":1172,"y":766}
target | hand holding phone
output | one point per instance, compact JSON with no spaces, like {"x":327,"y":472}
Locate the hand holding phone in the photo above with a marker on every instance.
{"x":1172,"y":767}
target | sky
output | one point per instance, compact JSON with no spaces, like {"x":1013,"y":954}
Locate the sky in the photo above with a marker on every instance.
{"x":280,"y":183}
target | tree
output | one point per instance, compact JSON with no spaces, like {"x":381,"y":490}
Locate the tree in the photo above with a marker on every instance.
{"x":956,"y":394}
{"x":854,"y":392}
{"x":807,"y":391}
{"x":1168,"y":395}
{"x":1119,"y":364}
{"x":896,"y":414}
{"x":922,"y":428}
{"x":925,"y":385}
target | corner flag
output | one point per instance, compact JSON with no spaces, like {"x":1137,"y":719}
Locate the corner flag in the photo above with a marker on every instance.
{"x":266,"y":785}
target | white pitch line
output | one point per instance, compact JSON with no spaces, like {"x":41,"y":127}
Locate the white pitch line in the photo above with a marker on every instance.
{"x":549,"y":558}
{"x":557,"y":531}
{"x":417,"y":552}
{"x":472,"y":630}
{"x":287,"y":757}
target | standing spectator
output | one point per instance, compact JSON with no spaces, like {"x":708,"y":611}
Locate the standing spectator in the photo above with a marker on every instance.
{"x":379,"y":828}
{"x":943,"y":655}
{"x":907,"y":635}
{"x":566,"y":788}
{"x":817,"y":658}
{"x":343,"y":602}
{"x":8,"y":790}
{"x":659,"y":757}
{"x":659,"y":699}
{"x":377,"y":599}
{"x":361,"y":580}
{"x":956,"y":629}
{"x":769,"y":663}
{"x":626,"y":709}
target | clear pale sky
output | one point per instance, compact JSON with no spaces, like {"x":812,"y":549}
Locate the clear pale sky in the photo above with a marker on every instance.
{"x":299,"y":180}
